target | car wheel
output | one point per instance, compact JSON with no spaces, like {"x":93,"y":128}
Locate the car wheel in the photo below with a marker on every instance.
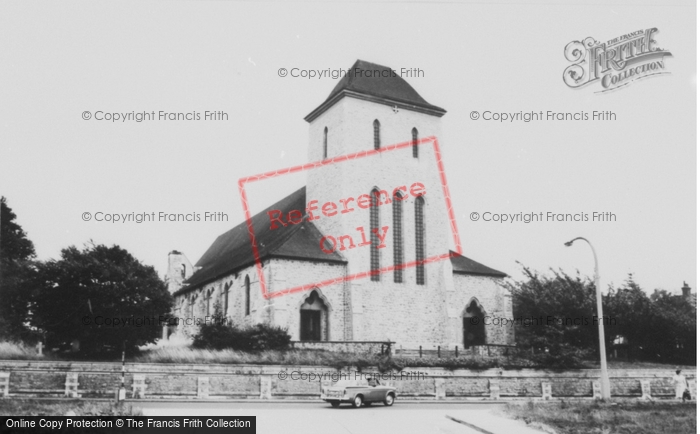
{"x":357,"y":402}
{"x":335,"y":404}
{"x":389,"y":400}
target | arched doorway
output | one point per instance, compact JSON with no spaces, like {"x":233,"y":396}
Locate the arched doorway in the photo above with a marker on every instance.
{"x":473,"y":327}
{"x":313,"y":318}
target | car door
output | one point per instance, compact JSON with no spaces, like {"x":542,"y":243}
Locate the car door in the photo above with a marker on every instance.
{"x":376,"y":392}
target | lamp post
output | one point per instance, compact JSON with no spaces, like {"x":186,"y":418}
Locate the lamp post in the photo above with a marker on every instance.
{"x":604,"y":380}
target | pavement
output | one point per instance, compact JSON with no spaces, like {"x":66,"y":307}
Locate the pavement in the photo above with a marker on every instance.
{"x":321,"y":418}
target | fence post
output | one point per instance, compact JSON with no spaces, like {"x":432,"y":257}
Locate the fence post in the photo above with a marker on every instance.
{"x":203,"y":387}
{"x":4,"y":384}
{"x":265,"y":386}
{"x":546,"y":390}
{"x":692,"y":387}
{"x":439,"y":388}
{"x":494,"y":389}
{"x":456,"y":351}
{"x":71,"y":390}
{"x":488,"y":350}
{"x":597,"y":391}
{"x":646,"y":389}
{"x":438,"y":351}
{"x":138,"y":386}
{"x":420,"y":351}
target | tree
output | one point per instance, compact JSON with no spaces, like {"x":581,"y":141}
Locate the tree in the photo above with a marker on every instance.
{"x":673,"y":325}
{"x":17,"y":269}
{"x":631,"y":309}
{"x":562,"y":313}
{"x":560,"y":309}
{"x":101,"y":296}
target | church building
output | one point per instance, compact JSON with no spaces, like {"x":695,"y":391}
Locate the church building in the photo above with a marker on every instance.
{"x":388,"y":217}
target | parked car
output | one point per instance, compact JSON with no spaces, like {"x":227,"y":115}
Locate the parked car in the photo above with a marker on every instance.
{"x":358,"y":392}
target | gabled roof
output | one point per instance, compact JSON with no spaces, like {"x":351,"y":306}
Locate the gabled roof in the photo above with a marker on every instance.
{"x":232,"y":250}
{"x":377,"y":83}
{"x":463,"y":265}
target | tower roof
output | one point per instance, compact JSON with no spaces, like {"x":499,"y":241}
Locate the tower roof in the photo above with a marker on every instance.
{"x":380,"y":84}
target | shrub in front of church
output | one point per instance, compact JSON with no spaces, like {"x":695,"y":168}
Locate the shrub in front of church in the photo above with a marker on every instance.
{"x":260,"y":337}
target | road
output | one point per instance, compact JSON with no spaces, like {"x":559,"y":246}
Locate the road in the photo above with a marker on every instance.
{"x":321,"y":418}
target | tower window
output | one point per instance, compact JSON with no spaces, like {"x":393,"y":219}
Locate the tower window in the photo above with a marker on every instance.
{"x":420,"y":240}
{"x":397,"y":211}
{"x":325,"y":143}
{"x":373,"y":228}
{"x":247,"y":296}
{"x":414,"y":140}
{"x":183,"y":270}
{"x":377,"y":142}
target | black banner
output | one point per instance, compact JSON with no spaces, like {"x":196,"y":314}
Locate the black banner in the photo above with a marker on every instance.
{"x":127,"y":424}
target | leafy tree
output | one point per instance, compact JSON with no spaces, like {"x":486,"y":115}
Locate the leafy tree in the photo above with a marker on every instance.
{"x":662,"y":327}
{"x":17,"y":270}
{"x":631,"y":309}
{"x":558,"y":313}
{"x":101,"y":296}
{"x":673,"y":329}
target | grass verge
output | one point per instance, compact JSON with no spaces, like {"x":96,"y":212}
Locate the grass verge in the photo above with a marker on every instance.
{"x":595,"y":417}
{"x":184,"y":353}
{"x":36,"y":407}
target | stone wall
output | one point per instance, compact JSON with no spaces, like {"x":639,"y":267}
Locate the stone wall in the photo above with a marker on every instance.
{"x":358,"y":347}
{"x":178,"y":381}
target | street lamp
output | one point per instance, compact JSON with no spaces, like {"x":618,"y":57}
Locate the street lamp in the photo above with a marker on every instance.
{"x":604,"y":380}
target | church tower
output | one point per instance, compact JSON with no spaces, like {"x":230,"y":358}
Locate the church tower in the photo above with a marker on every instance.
{"x":372,"y":108}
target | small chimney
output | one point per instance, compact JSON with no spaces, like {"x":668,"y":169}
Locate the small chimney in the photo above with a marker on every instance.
{"x":179,"y":269}
{"x":686,"y":291}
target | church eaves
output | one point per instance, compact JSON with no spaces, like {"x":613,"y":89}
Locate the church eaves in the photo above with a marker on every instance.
{"x":232,"y":250}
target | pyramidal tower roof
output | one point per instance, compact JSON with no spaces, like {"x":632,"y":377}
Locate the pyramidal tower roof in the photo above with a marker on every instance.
{"x":376,"y":83}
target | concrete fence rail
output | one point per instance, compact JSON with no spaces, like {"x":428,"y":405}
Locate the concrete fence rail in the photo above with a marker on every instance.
{"x":199,"y":381}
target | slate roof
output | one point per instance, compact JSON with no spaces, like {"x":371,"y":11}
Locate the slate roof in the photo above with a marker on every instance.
{"x":379,"y":83}
{"x":463,"y":265}
{"x":232,"y":250}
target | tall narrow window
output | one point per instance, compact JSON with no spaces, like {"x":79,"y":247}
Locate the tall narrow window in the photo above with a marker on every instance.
{"x":227,"y":288}
{"x":373,"y":229}
{"x":420,"y":240}
{"x":208,"y":300}
{"x":414,"y":140}
{"x":325,"y":143}
{"x":247,"y":296}
{"x":183,"y":270}
{"x":397,"y":212}
{"x":377,"y":142}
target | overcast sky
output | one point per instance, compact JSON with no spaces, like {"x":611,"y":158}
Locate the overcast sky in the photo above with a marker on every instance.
{"x":59,"y":60}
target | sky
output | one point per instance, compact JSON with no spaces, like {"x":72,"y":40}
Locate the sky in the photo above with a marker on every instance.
{"x":60,"y":61}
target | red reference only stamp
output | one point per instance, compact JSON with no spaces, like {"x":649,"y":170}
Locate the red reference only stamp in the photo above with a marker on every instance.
{"x":362,"y":238}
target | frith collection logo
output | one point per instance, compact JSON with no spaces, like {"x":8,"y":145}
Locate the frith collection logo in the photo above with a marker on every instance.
{"x":616,"y":63}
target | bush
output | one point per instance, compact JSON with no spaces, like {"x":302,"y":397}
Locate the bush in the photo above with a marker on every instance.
{"x":18,"y":351}
{"x":260,"y":337}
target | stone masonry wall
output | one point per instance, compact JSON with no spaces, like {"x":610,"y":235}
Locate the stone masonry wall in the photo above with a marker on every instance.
{"x":177,"y":381}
